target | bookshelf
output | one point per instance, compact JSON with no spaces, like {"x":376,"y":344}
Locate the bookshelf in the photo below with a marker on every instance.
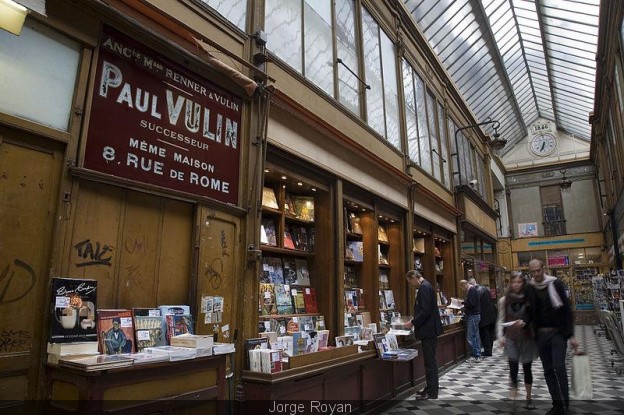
{"x":289,"y":286}
{"x":391,"y":281}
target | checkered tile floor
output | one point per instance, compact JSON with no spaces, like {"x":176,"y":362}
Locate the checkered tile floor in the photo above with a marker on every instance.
{"x":483,"y":388}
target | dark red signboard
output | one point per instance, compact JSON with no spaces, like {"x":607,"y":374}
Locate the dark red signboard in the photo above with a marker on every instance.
{"x":156,"y":122}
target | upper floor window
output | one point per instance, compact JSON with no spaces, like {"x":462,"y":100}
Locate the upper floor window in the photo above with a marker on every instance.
{"x":552,"y":211}
{"x":235,"y":11}
{"x":323,"y":48}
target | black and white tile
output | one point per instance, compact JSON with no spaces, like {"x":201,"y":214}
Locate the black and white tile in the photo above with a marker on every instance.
{"x":483,"y":388}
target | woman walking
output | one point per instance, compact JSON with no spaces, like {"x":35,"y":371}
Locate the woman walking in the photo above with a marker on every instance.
{"x":518,"y":342}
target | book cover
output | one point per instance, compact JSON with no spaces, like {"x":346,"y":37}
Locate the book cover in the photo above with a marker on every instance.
{"x":303,"y":273}
{"x":285,"y":343}
{"x":354,"y":332}
{"x":289,"y":206}
{"x":267,"y":299}
{"x":383,"y":255}
{"x":347,"y":223}
{"x":350,"y":277}
{"x":300,"y":342}
{"x":309,"y":298}
{"x":381,"y":344}
{"x":319,"y":322}
{"x":254,"y":344}
{"x":271,"y":336}
{"x":342,"y":341}
{"x":269,"y":229}
{"x":355,"y":251}
{"x":389,"y":295}
{"x":98,"y":362}
{"x":264,"y":239}
{"x":283,"y":299}
{"x":354,"y":222}
{"x":195,"y":341}
{"x":116,"y":331}
{"x":272,"y":270}
{"x":298,"y":301}
{"x":382,"y":235}
{"x":268,"y":198}
{"x":304,"y":207}
{"x":300,"y":238}
{"x":148,"y":328}
{"x":72,"y":312}
{"x":290,"y":271}
{"x":323,"y":338}
{"x":174,"y":353}
{"x":178,"y":324}
{"x":382,"y":300}
{"x":288,"y":240}
{"x":171,"y":309}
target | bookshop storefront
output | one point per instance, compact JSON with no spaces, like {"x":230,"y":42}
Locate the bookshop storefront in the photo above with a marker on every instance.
{"x":125,"y":175}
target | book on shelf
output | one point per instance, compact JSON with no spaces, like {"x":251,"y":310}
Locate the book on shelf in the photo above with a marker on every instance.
{"x":354,"y":224}
{"x":419,"y":245}
{"x":57,"y":351}
{"x":269,"y":229}
{"x":267,"y":299}
{"x":264,"y":239}
{"x":73,"y":310}
{"x":116,"y":331}
{"x":323,"y":338}
{"x":288,"y":240}
{"x":383,"y":255}
{"x":268,"y":198}
{"x":304,"y":207}
{"x":285,"y":343}
{"x":350,"y":277}
{"x":347,"y":223}
{"x":148,"y":328}
{"x":254,"y":344}
{"x":382,"y":235}
{"x":312,"y":342}
{"x":355,"y":251}
{"x":309,"y":298}
{"x":300,"y":342}
{"x":302,"y":272}
{"x":384,"y":282}
{"x":174,"y":353}
{"x":289,"y":208}
{"x":142,"y":358}
{"x":351,"y":301}
{"x":298,"y":300}
{"x":223,"y":348}
{"x":306,"y":323}
{"x":283,"y":299}
{"x":386,"y":298}
{"x":290,"y":271}
{"x":272,"y":270}
{"x":342,"y":341}
{"x":266,"y":360}
{"x":271,"y":336}
{"x":99,"y":362}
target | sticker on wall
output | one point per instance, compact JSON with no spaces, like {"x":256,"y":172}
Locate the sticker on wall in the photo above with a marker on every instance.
{"x":527,"y":230}
{"x":213,"y":309}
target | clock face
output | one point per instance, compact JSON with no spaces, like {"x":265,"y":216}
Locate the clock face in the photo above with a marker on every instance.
{"x":543,"y":144}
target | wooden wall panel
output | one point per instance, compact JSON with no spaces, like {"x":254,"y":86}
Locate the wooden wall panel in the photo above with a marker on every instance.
{"x":176,"y":247}
{"x":139,"y":240}
{"x":94,"y":251}
{"x":29,"y":179}
{"x":217,"y":274}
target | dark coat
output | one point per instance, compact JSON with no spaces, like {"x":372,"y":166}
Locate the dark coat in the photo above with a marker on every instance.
{"x":488,"y":312}
{"x":472,"y":304}
{"x":562,"y":318}
{"x":426,"y":319}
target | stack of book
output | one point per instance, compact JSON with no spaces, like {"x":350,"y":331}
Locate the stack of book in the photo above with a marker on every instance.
{"x":99,"y":362}
{"x":57,"y":351}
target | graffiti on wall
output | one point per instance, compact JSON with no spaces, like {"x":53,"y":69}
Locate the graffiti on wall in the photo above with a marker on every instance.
{"x":90,"y":254}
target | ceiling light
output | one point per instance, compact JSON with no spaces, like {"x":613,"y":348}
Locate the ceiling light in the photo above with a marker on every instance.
{"x":565,"y":184}
{"x":313,"y":189}
{"x":266,"y":170}
{"x":299,"y":184}
{"x":284,"y":177}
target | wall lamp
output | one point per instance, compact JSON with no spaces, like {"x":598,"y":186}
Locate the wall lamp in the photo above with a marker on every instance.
{"x":565,"y":184}
{"x":496,"y":144}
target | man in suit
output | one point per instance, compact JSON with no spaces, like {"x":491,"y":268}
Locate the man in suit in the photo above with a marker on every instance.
{"x":488,"y":318}
{"x":427,"y":327}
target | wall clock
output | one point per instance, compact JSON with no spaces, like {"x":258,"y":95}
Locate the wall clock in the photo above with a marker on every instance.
{"x":543,"y":144}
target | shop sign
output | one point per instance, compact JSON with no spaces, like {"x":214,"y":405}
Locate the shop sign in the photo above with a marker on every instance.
{"x":527,"y":230}
{"x":558,"y":261}
{"x":156,"y":122}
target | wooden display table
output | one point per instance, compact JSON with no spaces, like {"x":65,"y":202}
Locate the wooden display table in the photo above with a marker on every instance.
{"x":144,"y":388}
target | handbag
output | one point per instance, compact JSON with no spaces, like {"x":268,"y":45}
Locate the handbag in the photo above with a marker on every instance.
{"x":581,"y":377}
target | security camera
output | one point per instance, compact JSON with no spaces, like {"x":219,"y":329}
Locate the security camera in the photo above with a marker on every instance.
{"x":474,"y":182}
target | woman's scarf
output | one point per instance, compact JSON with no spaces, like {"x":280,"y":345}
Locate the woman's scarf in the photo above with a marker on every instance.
{"x":548,"y":282}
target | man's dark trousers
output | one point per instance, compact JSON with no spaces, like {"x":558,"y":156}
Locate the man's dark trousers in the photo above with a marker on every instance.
{"x":486,"y":333}
{"x":431,"y":365}
{"x":552,"y":350}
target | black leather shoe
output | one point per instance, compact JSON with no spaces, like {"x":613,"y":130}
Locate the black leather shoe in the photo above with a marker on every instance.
{"x":556,"y":410}
{"x":422,"y":392}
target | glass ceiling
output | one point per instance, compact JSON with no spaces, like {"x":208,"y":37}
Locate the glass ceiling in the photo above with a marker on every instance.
{"x":517,"y":60}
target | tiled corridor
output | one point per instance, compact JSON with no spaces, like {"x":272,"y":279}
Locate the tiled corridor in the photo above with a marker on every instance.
{"x":483,"y":388}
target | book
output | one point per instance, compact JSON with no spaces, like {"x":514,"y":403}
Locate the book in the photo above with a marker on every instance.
{"x":342,"y":341}
{"x":306,"y":323}
{"x":272,"y":270}
{"x":383,"y":255}
{"x":264,"y":239}
{"x":304,"y":207}
{"x":289,"y":206}
{"x":171,"y":309}
{"x":283,"y":299}
{"x":388,"y":299}
{"x":300,"y":341}
{"x":116,"y":331}
{"x":195,"y":341}
{"x":271,"y":360}
{"x":319,"y":322}
{"x":57,"y":351}
{"x":252,"y":362}
{"x":419,"y":245}
{"x":72,"y":311}
{"x":148,"y":328}
{"x":355,"y":251}
{"x":271,"y":336}
{"x":298,"y":300}
{"x":382,"y":235}
{"x":290,"y":271}
{"x":174,"y":353}
{"x":309,"y":299}
{"x":99,"y":362}
{"x":288,"y":240}
{"x":285,"y":343}
{"x":268,"y":198}
{"x":267,"y":299}
{"x":146,"y":358}
{"x":269,"y":229}
{"x":323,"y":338}
{"x":223,"y":348}
{"x":301,"y":239}
{"x":354,"y":223}
{"x":303,"y":273}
